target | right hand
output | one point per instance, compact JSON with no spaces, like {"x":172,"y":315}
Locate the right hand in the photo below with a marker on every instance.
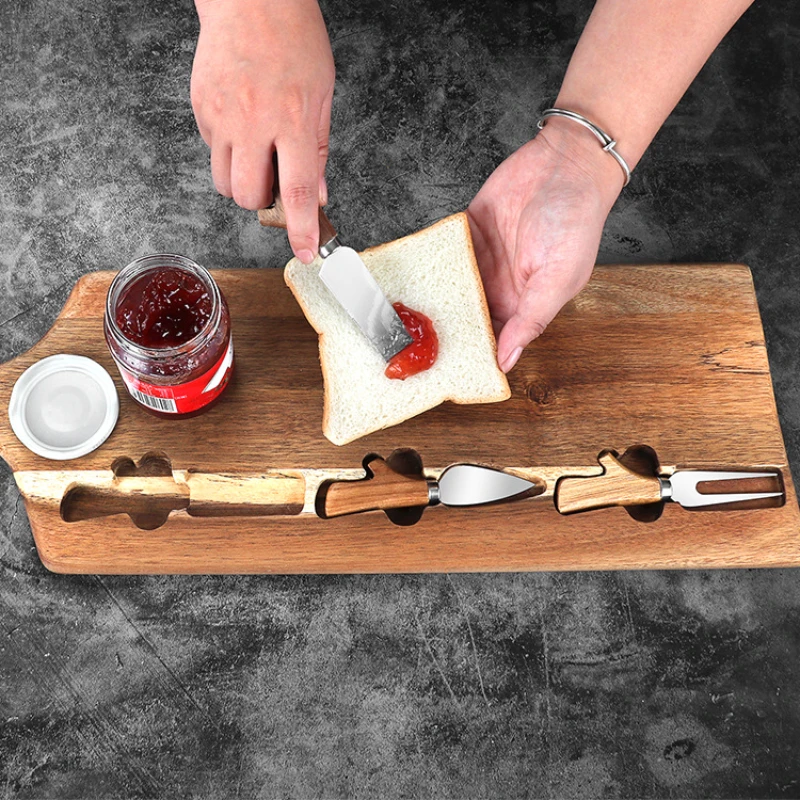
{"x":536,"y":226}
{"x":262,"y":82}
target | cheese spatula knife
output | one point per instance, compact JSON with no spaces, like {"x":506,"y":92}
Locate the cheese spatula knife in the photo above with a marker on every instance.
{"x":385,"y":488}
{"x":351,"y":283}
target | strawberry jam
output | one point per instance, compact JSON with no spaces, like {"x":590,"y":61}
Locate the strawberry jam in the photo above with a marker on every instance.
{"x":168,"y":328}
{"x":421,"y":353}
{"x":164,"y":308}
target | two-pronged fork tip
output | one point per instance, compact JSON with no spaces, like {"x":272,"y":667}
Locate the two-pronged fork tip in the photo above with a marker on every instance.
{"x":683,"y":487}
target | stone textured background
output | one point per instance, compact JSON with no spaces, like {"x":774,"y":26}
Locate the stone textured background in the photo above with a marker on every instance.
{"x":648,"y":684}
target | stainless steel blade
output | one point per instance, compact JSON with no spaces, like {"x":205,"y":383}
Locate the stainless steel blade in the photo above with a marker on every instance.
{"x":352,"y":284}
{"x":681,"y":487}
{"x":473,"y":485}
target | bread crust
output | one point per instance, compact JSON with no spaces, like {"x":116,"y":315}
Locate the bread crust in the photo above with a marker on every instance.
{"x":326,"y":400}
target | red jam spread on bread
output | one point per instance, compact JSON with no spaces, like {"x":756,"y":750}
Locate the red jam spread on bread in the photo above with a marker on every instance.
{"x":164,"y":308}
{"x":421,"y":353}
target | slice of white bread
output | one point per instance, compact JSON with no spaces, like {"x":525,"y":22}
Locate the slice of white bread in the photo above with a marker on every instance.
{"x":433,"y":271}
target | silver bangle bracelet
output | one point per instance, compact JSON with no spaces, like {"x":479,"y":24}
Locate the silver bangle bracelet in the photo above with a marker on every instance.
{"x":605,"y":140}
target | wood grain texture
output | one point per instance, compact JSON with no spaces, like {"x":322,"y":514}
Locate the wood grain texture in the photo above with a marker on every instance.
{"x":617,"y":486}
{"x":382,"y":488}
{"x":91,"y":496}
{"x":668,"y":356}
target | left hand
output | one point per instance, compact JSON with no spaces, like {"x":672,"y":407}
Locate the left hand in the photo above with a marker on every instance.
{"x":536,"y":225}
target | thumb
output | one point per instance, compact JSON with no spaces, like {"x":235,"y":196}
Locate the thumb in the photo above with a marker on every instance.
{"x":536,"y":308}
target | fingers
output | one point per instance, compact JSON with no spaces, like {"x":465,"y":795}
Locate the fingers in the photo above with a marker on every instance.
{"x":247,"y":176}
{"x":515,"y":335}
{"x":262,"y":83}
{"x":251,"y":178}
{"x":298,"y":170}
{"x":539,"y":302}
{"x":554,"y":277}
{"x":534,"y":312}
{"x":221,"y":169}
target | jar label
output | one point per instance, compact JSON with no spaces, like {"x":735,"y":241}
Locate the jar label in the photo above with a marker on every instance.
{"x":184,"y":397}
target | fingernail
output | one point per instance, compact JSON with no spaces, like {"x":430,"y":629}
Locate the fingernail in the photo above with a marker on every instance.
{"x":323,"y":192}
{"x":306,"y":256}
{"x":511,"y":359}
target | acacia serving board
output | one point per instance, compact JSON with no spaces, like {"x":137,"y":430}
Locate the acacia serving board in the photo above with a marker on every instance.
{"x":668,"y":356}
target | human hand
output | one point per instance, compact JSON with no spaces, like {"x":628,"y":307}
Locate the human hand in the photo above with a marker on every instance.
{"x":536,"y":225}
{"x":262,"y":82}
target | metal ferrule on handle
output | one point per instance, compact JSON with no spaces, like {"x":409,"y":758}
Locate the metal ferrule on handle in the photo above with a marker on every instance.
{"x":434,"y":495}
{"x":328,"y":247}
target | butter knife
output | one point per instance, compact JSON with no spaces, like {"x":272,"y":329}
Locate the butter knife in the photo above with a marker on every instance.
{"x":351,"y":283}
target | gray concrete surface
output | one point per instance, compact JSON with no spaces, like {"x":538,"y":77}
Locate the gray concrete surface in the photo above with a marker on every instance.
{"x":648,"y":684}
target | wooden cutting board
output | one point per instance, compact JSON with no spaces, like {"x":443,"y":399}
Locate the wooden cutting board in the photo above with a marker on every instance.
{"x":668,"y":356}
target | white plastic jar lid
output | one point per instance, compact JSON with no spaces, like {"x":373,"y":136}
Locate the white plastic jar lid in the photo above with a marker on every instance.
{"x":63,"y":406}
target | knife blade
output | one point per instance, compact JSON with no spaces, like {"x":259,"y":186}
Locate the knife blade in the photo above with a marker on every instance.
{"x":347,"y":278}
{"x":385,"y":489}
{"x":352,"y":284}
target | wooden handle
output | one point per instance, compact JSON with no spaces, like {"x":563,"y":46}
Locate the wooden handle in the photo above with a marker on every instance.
{"x":383,"y":488}
{"x":275,"y":217}
{"x":617,"y":486}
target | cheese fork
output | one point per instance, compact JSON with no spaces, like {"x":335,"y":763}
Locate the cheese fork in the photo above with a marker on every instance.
{"x":693,"y":489}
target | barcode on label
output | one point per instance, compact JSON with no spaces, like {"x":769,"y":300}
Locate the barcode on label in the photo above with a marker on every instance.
{"x":157,"y":403}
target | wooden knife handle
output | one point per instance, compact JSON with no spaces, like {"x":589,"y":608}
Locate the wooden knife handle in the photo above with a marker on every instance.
{"x":274,"y":216}
{"x":617,"y":486}
{"x":381,"y":489}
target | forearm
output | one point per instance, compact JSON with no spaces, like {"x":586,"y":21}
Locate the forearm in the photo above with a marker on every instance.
{"x":281,"y":11}
{"x":636,"y":58}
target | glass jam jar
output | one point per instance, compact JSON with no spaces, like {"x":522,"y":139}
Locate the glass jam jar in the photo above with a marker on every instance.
{"x":169,"y":330}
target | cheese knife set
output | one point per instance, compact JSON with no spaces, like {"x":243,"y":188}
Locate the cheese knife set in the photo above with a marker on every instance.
{"x":283,"y":492}
{"x":148,"y":499}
